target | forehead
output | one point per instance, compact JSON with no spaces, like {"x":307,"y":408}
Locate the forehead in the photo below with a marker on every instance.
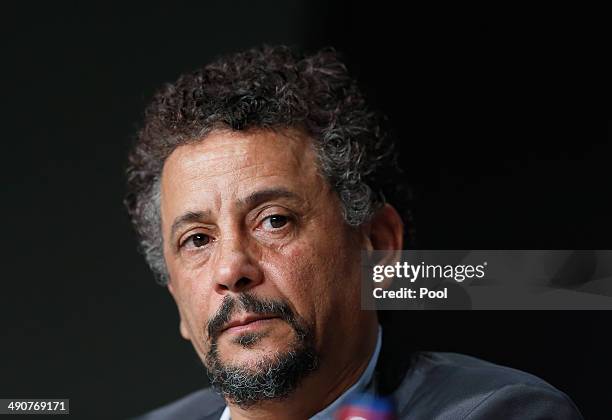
{"x":227,"y":163}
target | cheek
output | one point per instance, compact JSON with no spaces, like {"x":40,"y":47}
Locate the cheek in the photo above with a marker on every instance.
{"x":335,"y":275}
{"x":193,"y":306}
{"x":192,"y":286}
{"x":341,"y":279}
{"x":290,"y":274}
{"x":313,"y":279}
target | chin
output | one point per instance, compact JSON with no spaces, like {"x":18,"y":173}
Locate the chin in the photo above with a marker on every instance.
{"x":250,"y":348}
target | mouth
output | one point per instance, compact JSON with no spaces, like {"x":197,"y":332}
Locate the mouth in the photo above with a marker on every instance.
{"x":248,"y":323}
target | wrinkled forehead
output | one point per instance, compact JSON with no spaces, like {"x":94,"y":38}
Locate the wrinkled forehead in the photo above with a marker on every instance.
{"x":226,"y":164}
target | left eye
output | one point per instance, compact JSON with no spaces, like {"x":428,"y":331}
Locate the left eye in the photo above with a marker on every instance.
{"x":276,"y":221}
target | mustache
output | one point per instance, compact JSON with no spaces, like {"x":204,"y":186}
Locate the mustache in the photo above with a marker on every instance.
{"x":248,"y":302}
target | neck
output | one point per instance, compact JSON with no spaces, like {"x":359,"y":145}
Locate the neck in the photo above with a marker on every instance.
{"x":334,"y":376}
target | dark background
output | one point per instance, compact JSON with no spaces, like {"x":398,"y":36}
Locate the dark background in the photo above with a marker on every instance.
{"x":503,"y":133}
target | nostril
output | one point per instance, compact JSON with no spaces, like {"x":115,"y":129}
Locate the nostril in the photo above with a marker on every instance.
{"x":243,"y":282}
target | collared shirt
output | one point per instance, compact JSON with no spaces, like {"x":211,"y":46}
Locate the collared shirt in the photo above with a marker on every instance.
{"x":358,"y":387}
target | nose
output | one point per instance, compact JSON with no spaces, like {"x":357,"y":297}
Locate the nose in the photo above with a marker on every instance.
{"x":236,"y":271}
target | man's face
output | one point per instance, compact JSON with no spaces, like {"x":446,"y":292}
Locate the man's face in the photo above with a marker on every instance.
{"x":248,"y":214}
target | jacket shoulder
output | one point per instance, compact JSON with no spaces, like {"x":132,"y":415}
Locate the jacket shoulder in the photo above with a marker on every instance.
{"x":200,"y":405}
{"x":451,"y":385}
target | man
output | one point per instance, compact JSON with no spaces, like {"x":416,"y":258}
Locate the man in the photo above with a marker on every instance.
{"x":255,"y":184}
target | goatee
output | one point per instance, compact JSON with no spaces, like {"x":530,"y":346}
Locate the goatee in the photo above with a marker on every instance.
{"x":273,"y":377}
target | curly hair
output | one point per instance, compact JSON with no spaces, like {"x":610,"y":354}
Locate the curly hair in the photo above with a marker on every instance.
{"x":266,"y":88}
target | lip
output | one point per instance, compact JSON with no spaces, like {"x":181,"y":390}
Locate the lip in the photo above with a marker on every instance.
{"x":248,"y":322}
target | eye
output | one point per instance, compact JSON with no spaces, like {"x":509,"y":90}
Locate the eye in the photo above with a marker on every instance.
{"x":197,"y":240}
{"x":275,"y":221}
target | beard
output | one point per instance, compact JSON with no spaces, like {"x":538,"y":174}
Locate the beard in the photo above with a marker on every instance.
{"x":273,"y":377}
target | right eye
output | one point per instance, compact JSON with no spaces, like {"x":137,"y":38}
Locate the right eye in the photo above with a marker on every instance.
{"x":197,"y":240}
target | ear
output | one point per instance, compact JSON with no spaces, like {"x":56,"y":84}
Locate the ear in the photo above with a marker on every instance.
{"x":386,"y":229}
{"x":385,"y":232}
{"x":182,"y":326}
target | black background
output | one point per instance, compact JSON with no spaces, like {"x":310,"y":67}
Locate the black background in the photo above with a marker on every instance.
{"x":503,"y":135}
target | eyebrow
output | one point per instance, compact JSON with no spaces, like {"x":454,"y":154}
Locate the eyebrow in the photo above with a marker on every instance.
{"x":252,"y":200}
{"x":187,"y":218}
{"x":262,"y":196}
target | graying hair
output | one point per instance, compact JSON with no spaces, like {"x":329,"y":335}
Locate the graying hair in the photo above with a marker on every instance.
{"x":270,"y":88}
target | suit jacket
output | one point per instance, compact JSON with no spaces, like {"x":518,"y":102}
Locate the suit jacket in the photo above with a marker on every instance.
{"x":429,"y":385}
